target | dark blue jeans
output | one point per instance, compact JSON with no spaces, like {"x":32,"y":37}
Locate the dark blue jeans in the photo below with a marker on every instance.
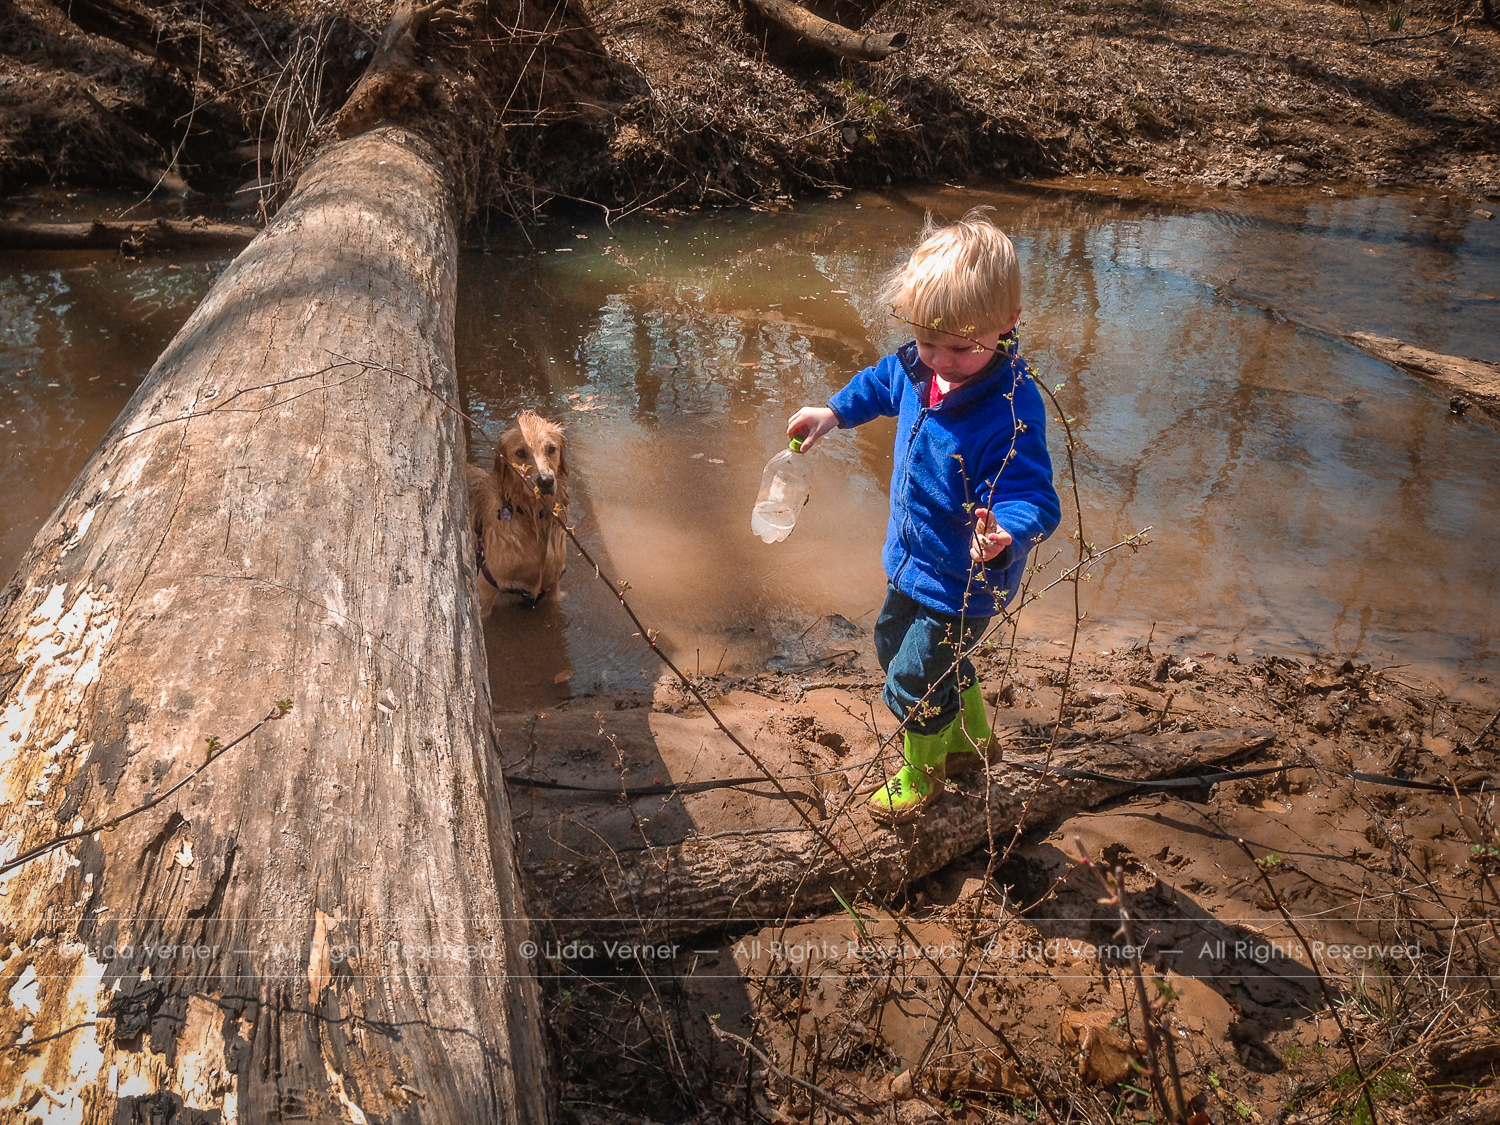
{"x":918,"y":648}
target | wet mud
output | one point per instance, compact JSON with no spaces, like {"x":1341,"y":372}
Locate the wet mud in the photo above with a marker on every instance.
{"x":1003,"y":981}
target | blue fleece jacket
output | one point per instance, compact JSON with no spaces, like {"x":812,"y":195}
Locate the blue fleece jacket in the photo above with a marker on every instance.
{"x":983,"y":445}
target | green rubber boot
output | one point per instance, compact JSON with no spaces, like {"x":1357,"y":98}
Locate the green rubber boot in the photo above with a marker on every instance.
{"x":920,"y":780}
{"x":971,"y":735}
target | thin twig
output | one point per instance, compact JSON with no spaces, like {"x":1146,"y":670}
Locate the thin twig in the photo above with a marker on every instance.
{"x":217,"y":751}
{"x":1485,"y":730}
{"x":1425,"y":35}
{"x":831,"y":1101}
{"x":1265,"y":878}
{"x":1113,"y":883}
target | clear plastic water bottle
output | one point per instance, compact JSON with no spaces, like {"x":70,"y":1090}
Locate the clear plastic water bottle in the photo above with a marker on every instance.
{"x":784,"y":488}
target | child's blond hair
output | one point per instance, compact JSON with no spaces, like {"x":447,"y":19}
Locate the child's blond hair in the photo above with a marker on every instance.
{"x":962,"y":278}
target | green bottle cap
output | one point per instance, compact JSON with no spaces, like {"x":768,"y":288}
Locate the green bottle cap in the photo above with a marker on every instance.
{"x":795,"y":445}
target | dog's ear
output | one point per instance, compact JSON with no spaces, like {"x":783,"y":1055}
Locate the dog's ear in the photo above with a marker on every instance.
{"x":562,"y":453}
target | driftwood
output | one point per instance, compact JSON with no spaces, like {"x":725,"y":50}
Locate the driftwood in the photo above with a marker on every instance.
{"x":663,"y":889}
{"x":148,"y":235}
{"x":1475,"y":382}
{"x":831,"y":36}
{"x":323,"y":924}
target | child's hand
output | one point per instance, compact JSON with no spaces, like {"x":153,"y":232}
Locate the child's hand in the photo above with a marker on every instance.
{"x":810,"y":423}
{"x":989,"y":537}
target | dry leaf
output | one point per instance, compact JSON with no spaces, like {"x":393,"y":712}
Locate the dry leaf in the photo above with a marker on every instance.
{"x":184,"y":858}
{"x":562,"y":677}
{"x":1104,"y":1052}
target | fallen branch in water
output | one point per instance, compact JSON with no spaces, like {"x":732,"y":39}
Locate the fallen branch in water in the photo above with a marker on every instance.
{"x":1477,"y":381}
{"x":135,"y":237}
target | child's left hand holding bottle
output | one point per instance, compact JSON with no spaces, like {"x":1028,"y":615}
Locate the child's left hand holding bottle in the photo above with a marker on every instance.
{"x":810,"y":423}
{"x":989,"y":537}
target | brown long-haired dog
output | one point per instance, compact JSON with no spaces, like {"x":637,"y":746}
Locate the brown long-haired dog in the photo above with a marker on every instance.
{"x":522,"y":549}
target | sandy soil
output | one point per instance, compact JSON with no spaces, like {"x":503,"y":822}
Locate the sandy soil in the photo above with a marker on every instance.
{"x":1385,"y":883}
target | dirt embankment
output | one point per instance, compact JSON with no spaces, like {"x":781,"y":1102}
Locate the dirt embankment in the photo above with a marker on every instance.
{"x":711,"y":104}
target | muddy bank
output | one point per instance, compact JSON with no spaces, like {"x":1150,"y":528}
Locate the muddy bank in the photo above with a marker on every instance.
{"x":710,"y":104}
{"x":1390,"y":888}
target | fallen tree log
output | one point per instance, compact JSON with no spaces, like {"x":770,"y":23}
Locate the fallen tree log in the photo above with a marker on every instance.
{"x":149,"y":235}
{"x":663,"y":888}
{"x":831,"y":36}
{"x":1475,"y":381}
{"x":323,"y":924}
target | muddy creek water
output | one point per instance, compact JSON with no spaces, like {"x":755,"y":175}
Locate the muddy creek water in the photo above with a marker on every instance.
{"x":1303,"y":496}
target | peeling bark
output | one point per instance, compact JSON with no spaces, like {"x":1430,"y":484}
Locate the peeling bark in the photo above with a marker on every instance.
{"x":323,"y":925}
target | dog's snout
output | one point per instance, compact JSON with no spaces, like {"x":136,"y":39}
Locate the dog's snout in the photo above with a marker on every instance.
{"x":545,"y":483}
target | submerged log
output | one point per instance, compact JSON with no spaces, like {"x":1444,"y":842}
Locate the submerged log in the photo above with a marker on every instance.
{"x":149,"y":234}
{"x":765,"y":871}
{"x":1475,"y":382}
{"x":831,"y":36}
{"x":323,"y":925}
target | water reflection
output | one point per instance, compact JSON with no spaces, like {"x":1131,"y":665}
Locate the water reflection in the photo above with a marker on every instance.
{"x":77,"y":333}
{"x":1303,"y":494}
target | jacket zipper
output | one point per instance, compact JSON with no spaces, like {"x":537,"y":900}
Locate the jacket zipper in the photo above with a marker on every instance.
{"x":911,"y":440}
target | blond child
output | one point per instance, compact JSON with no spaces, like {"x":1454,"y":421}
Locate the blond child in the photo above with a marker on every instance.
{"x":971,"y":490}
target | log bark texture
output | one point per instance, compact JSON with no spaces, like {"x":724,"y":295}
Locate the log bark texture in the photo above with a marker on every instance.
{"x":671,"y":889}
{"x":323,"y":925}
{"x":1477,"y":381}
{"x":831,"y":36}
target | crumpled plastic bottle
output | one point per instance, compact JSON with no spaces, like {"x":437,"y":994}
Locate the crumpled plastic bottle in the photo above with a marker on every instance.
{"x":784,"y":488}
